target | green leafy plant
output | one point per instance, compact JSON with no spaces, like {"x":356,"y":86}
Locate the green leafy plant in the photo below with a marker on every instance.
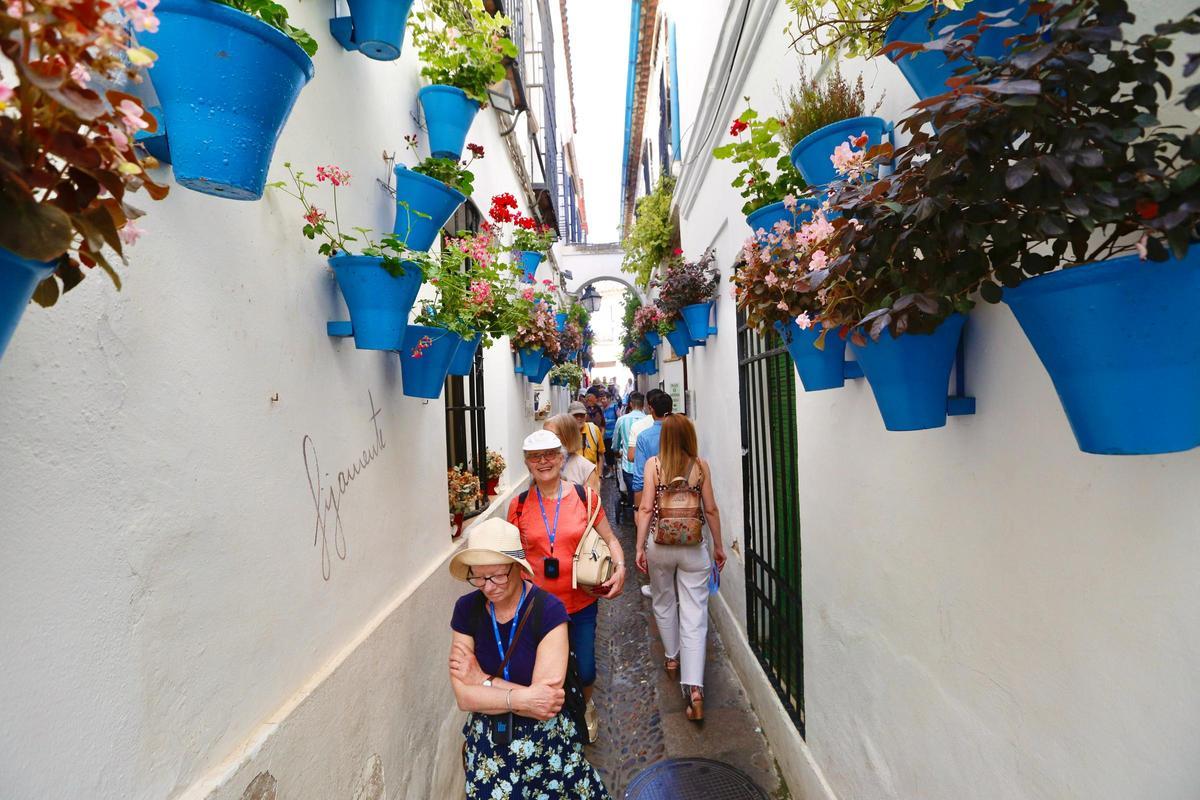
{"x":569,"y":374}
{"x":67,"y":157}
{"x":276,"y":16}
{"x":462,"y":45}
{"x":816,"y":102}
{"x":1052,"y":158}
{"x":759,"y":184}
{"x":455,"y":174}
{"x":650,"y":241}
{"x":855,"y":27}
{"x":471,"y":296}
{"x":578,"y":315}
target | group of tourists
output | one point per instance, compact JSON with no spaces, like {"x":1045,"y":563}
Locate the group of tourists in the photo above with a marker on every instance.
{"x":523,"y":656}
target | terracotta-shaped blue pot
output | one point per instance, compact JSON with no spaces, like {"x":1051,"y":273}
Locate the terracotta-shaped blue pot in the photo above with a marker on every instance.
{"x":226,"y":82}
{"x":653,"y":339}
{"x":379,"y":303}
{"x":1115,"y":340}
{"x":436,"y":201}
{"x":531,"y":359}
{"x":425,"y":358}
{"x":540,"y":372}
{"x":818,"y":369}
{"x":680,"y":339}
{"x":811,"y":155}
{"x":464,"y":358}
{"x":696,"y":318}
{"x":529,"y":261}
{"x":19,"y":277}
{"x":910,"y":374}
{"x":378,"y":27}
{"x":448,"y":117}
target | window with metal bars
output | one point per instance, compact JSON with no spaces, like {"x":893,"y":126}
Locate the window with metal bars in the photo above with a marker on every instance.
{"x":466,"y":436}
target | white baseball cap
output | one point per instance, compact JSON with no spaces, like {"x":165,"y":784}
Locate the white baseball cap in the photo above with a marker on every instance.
{"x":541,"y":440}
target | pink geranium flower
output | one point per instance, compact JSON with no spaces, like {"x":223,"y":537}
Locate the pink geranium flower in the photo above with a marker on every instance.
{"x":131,"y":115}
{"x":130,"y":233}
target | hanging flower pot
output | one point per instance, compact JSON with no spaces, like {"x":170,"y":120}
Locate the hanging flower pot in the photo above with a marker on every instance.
{"x":448,"y":116}
{"x":812,"y":154}
{"x":928,"y":71}
{"x":378,"y":302}
{"x":529,"y":261}
{"x":653,"y":339}
{"x":425,"y":358}
{"x":539,"y":373}
{"x":531,"y":359}
{"x":765,"y":218}
{"x":680,"y":339}
{"x":1110,"y":335}
{"x":18,"y":279}
{"x":435,"y":201}
{"x":696,"y":318}
{"x":910,"y":374}
{"x":227,"y":83}
{"x":464,"y":358}
{"x":560,"y":320}
{"x":376,"y":27}
{"x":818,"y":369}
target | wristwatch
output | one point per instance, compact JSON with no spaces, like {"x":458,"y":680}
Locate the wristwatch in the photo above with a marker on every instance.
{"x":487,"y":681}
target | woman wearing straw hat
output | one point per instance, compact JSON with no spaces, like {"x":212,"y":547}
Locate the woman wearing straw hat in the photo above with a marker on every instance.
{"x":552,"y":516}
{"x":508,"y":662}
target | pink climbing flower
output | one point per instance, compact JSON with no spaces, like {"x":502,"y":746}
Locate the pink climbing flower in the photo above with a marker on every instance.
{"x":131,"y":115}
{"x":130,"y":233}
{"x":335,"y":175}
{"x":804,"y":321}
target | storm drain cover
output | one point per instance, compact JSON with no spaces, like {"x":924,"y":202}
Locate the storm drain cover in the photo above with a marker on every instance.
{"x":693,"y":779}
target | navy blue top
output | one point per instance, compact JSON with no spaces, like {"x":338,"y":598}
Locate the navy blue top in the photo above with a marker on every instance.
{"x":471,"y":618}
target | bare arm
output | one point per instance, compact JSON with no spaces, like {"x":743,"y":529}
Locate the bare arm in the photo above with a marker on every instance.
{"x":593,"y":480}
{"x":712,"y":514}
{"x":542,"y":699}
{"x":645,"y":511}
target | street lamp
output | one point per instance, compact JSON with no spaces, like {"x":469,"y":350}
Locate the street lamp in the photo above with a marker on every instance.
{"x":590,"y":299}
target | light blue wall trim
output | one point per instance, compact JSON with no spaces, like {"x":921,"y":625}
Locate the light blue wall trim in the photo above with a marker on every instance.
{"x":630,"y":86}
{"x":676,"y":148}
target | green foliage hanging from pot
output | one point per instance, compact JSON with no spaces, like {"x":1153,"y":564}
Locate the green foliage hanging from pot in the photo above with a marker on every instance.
{"x":650,"y":240}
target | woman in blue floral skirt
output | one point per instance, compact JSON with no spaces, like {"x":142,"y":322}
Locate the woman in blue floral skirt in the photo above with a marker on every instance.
{"x":508,"y":661}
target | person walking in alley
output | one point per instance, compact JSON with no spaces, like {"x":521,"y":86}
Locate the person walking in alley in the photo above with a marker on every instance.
{"x":678,"y":500}
{"x":608,"y":406}
{"x":593,"y":439}
{"x":576,"y":468}
{"x":552,"y":516}
{"x":621,"y":446}
{"x":646,"y":442}
{"x":508,"y":665}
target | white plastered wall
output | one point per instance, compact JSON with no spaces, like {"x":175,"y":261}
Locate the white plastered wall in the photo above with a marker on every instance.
{"x":169,"y":626}
{"x":988,"y":612}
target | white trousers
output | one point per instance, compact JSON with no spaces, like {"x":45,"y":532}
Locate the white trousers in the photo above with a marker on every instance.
{"x":679,"y":591}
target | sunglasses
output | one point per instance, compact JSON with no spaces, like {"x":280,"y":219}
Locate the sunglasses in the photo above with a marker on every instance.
{"x":545,"y":455}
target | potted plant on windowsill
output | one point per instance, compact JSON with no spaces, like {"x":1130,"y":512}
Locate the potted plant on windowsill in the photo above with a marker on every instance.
{"x":428,"y":194}
{"x":688,"y":288}
{"x":379,"y":282}
{"x":227,"y":76}
{"x":821,"y":113}
{"x":463,"y":49}
{"x":495,"y":469}
{"x":776,"y":285}
{"x":67,"y":155}
{"x":763,"y":188}
{"x":463,"y":489}
{"x":1091,"y":208}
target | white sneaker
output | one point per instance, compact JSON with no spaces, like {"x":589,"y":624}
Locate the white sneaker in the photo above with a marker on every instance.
{"x":646,"y":590}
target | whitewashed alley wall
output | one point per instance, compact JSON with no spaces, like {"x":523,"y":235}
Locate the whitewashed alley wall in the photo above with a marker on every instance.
{"x":988,"y":612}
{"x":175,"y":602}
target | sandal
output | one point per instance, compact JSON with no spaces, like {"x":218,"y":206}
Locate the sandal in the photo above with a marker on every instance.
{"x":671,"y":665}
{"x":695,"y":703}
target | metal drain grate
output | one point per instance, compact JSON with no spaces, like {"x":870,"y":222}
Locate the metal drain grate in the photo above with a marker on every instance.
{"x":693,"y":779}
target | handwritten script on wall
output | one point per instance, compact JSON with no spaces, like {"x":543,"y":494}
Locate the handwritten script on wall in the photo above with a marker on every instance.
{"x":327,"y":498}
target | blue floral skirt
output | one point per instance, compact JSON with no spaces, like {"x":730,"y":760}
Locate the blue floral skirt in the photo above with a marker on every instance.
{"x":542,"y":762}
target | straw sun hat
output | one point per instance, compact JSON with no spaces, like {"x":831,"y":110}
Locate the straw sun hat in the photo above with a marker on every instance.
{"x":490,"y":543}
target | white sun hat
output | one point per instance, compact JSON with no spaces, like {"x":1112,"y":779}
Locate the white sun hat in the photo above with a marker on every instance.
{"x":541,"y":440}
{"x":491,"y":543}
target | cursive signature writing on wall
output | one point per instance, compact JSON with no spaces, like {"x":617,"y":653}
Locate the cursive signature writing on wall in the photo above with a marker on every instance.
{"x":328,"y":499}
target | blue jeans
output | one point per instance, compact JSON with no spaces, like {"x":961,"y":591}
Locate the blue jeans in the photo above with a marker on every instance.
{"x":581,"y":630}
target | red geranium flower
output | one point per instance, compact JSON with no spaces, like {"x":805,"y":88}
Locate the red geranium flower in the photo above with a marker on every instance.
{"x":1146,"y":209}
{"x":737,"y":127}
{"x":476,"y":149}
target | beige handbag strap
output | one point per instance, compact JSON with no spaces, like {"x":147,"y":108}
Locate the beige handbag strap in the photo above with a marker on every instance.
{"x":585,"y":540}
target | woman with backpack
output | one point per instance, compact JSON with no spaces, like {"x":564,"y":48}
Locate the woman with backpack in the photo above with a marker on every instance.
{"x":677,"y":500}
{"x":508,"y":667}
{"x":553,"y":516}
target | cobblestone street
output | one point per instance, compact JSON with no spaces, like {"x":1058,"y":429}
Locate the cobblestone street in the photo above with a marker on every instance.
{"x":641,"y":709}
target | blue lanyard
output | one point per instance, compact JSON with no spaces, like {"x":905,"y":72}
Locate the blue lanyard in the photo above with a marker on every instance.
{"x":512,"y":632}
{"x":550,"y":532}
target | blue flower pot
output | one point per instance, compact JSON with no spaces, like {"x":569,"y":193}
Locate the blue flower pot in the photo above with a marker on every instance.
{"x":428,"y":196}
{"x":696,"y":318}
{"x":812,"y":154}
{"x":18,"y":279}
{"x":227,"y":83}
{"x":379,"y":27}
{"x":448,"y":116}
{"x":927,"y":72}
{"x":818,"y":369}
{"x":529,"y":261}
{"x":531,"y":360}
{"x":1115,"y":339}
{"x":766,"y":217}
{"x":464,"y":358}
{"x":653,"y":339}
{"x":424,"y":369}
{"x":560,"y":320}
{"x":680,"y":339}
{"x":540,"y":372}
{"x":378,"y":303}
{"x":910,"y":374}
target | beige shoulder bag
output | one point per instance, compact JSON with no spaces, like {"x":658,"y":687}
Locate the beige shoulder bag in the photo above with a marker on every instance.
{"x":593,"y":564}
